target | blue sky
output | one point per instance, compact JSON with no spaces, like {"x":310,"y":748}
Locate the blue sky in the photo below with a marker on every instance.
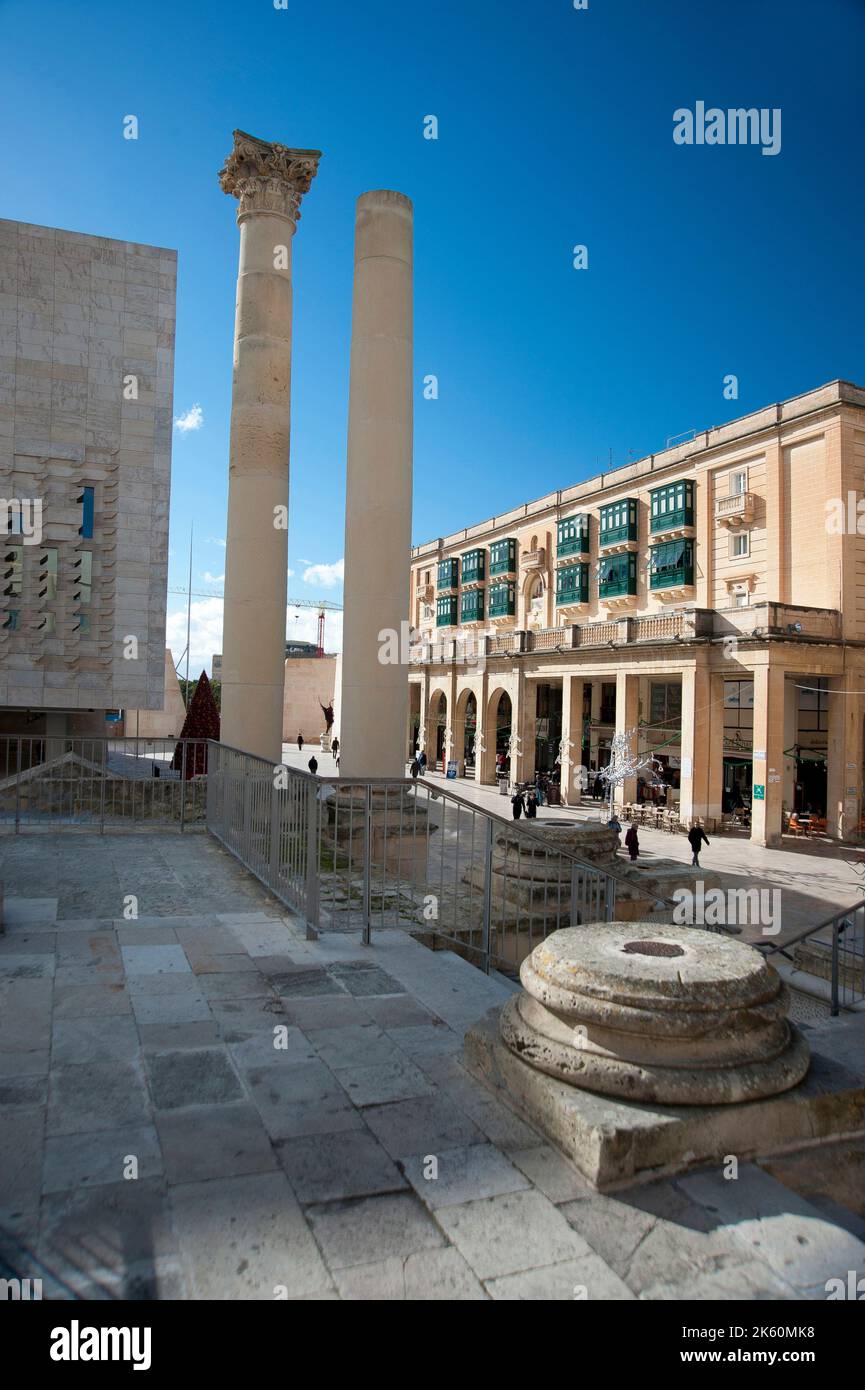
{"x":555,"y":128}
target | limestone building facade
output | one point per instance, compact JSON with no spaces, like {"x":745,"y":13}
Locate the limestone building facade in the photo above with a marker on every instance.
{"x":708,"y":601}
{"x":87,"y":329}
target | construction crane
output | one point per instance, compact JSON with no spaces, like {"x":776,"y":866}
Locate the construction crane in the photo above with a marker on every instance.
{"x":322,"y":605}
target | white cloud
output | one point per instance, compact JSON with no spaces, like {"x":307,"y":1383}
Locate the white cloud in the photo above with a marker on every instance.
{"x":205,"y":634}
{"x":215,"y":540}
{"x":301,"y":624}
{"x":213,"y":578}
{"x":325,"y":576}
{"x":193,"y":419}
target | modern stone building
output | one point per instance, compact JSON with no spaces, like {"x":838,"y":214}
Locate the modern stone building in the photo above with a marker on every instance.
{"x":86,"y":373}
{"x":710,"y":597}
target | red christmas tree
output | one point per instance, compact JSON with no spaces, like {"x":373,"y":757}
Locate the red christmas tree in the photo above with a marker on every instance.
{"x":201,"y":723}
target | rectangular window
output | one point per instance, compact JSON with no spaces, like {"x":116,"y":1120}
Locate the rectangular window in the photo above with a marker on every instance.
{"x":619,"y":521}
{"x":48,"y":624}
{"x":446,"y":612}
{"x":474,"y":566}
{"x":502,"y":600}
{"x":672,"y":506}
{"x":665,"y":703}
{"x":741,"y":598}
{"x":87,"y":506}
{"x":671,"y":564}
{"x":13,"y":618}
{"x":12,"y":571}
{"x":608,"y":702}
{"x":472,"y":606}
{"x":618,"y":575}
{"x":739,"y":544}
{"x":572,"y":536}
{"x":449,"y":573}
{"x":84,"y":624}
{"x":814,"y":706}
{"x":738,"y":482}
{"x":738,"y":704}
{"x":503,"y":557}
{"x":572,"y":584}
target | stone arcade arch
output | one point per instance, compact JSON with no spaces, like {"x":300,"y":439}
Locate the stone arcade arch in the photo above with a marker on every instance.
{"x":437,"y":729}
{"x":497,"y":730}
{"x":465,"y":733}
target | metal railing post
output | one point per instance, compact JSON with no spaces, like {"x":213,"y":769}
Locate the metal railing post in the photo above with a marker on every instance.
{"x":18,"y":789}
{"x":488,"y":895}
{"x":835,"y":944}
{"x":183,"y":750}
{"x":103,"y":770}
{"x":609,"y":899}
{"x":367,"y":865}
{"x":312,"y":884}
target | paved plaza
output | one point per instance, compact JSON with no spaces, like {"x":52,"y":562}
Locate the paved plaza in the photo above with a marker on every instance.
{"x":204,"y":1104}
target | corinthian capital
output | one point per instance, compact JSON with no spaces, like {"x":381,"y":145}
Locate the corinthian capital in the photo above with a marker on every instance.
{"x":267,"y":177}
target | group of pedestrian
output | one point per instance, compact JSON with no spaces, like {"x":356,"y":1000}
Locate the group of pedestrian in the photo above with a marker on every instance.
{"x":697,"y":837}
{"x":313,"y":762}
{"x":525,"y":802}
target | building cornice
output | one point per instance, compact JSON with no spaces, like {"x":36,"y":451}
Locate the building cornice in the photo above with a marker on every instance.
{"x":684,"y":456}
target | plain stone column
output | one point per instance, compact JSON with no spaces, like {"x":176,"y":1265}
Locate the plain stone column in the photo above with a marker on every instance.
{"x":378,"y":492}
{"x":269,"y":181}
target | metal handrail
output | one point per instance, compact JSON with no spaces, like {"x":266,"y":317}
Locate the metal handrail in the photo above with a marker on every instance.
{"x":837,"y":923}
{"x":517,"y":827}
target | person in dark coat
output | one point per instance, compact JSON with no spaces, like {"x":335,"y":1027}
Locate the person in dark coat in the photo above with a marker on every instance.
{"x":334,"y":748}
{"x":598,"y":789}
{"x":517,"y":804}
{"x":414,"y":769}
{"x":421,"y":762}
{"x":632,"y":843}
{"x":313,"y":765}
{"x":531,"y":806}
{"x":696,"y":837}
{"x":300,"y":743}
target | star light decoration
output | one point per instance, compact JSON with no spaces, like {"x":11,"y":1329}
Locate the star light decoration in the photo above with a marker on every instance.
{"x":625,"y":764}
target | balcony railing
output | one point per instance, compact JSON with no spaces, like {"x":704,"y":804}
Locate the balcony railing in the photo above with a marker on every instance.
{"x":502,"y":607}
{"x":534,"y":559}
{"x":671,"y":577}
{"x":616,"y":535}
{"x":735,"y":510}
{"x":505,"y":566}
{"x":672,"y":521}
{"x":616,"y":588}
{"x":574,"y":545}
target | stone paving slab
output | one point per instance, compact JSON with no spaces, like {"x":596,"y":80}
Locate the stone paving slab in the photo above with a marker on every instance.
{"x":207,"y":1105}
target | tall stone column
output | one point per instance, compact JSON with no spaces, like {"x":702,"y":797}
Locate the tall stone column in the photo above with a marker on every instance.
{"x":269,"y":181}
{"x":378,"y":493}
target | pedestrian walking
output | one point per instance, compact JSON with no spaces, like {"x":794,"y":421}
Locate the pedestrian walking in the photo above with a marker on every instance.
{"x":531,"y":806}
{"x":313,"y":765}
{"x":598,"y":788}
{"x":615,"y":824}
{"x":300,"y":743}
{"x":632,"y":843}
{"x":696,"y":837}
{"x":334,"y":748}
{"x":422,"y":762}
{"x":414,"y":769}
{"x":517,"y":804}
